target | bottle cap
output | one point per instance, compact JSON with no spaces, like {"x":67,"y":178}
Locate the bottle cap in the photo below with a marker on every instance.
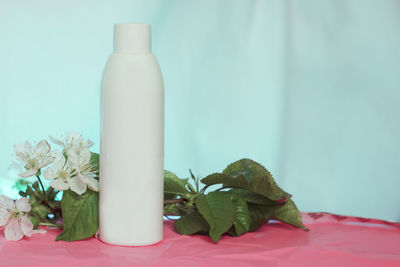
{"x":132,"y":38}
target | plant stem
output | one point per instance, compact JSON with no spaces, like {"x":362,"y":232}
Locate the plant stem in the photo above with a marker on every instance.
{"x":51,"y":224}
{"x":40,"y":182}
{"x":191,"y":188}
{"x":219,"y":189}
{"x":204,"y":189}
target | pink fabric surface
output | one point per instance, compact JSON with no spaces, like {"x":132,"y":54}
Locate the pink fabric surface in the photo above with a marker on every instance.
{"x":334,"y":240}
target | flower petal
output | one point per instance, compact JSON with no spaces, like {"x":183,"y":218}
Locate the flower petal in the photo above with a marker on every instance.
{"x":73,"y":139}
{"x":26,"y":225}
{"x":77,"y":185}
{"x":4,"y":216}
{"x":59,"y":184}
{"x":50,"y":174}
{"x":42,"y":148}
{"x":56,"y":141}
{"x":22,"y":204}
{"x":89,"y":143}
{"x":19,"y":150}
{"x":28,"y":148}
{"x":73,"y":160}
{"x":6,"y":202}
{"x":28,"y":173}
{"x":84,"y":157}
{"x":13,"y":230}
{"x":92,"y":183}
{"x":59,"y":161}
{"x":46,"y":160}
{"x":73,"y":136}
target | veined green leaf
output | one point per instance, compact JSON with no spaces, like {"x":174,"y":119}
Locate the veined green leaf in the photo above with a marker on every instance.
{"x":263,"y":185}
{"x":250,"y":169}
{"x":41,"y":211}
{"x":257,"y":175}
{"x":218,"y":210}
{"x":35,"y":195}
{"x":95,"y":162}
{"x":290,"y":214}
{"x":242,"y":220}
{"x":173,"y":185}
{"x":254,"y":198}
{"x":175,"y":210}
{"x":80,"y":215}
{"x":35,"y":186}
{"x":259,"y":215}
{"x":191,"y":224}
{"x":21,"y":184}
{"x":35,"y":220}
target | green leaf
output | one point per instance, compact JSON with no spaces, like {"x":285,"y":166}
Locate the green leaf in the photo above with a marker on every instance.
{"x":172,"y":209}
{"x":54,"y":204}
{"x":50,"y":194}
{"x":35,"y":186}
{"x":218,"y":210}
{"x":257,"y":175}
{"x":29,"y":191}
{"x":35,"y":220}
{"x":41,"y":211}
{"x":95,"y":161}
{"x":191,"y":224}
{"x":36,"y":196}
{"x":173,"y":185}
{"x":80,"y":215}
{"x":21,"y":184}
{"x":253,"y":198}
{"x":263,"y":185}
{"x":246,"y":167}
{"x":290,"y":214}
{"x":259,"y":215}
{"x":242,"y":220}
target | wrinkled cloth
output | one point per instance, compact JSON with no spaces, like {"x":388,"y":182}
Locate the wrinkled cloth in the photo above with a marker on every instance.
{"x":333,"y":240}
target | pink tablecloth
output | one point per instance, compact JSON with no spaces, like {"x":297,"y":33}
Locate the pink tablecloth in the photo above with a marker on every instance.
{"x":333,"y":241}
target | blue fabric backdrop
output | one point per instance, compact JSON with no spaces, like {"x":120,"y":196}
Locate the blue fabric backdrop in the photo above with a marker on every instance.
{"x":308,"y":88}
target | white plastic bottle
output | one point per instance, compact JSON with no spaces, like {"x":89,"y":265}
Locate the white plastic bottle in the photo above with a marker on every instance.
{"x":132,"y":141}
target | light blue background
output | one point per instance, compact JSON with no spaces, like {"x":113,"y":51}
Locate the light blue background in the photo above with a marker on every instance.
{"x":308,"y":88}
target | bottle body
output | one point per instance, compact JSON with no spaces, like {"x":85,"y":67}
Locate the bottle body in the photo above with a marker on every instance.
{"x":132,"y":150}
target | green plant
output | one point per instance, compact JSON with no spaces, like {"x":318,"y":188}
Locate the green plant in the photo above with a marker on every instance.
{"x":247,"y":198}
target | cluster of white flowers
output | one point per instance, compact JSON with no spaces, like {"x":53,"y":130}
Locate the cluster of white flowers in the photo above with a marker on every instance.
{"x":69,"y":168}
{"x":74,"y":171}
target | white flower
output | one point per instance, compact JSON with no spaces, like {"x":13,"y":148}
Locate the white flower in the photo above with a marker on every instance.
{"x":74,"y":141}
{"x":79,"y":173}
{"x":33,"y":158}
{"x":85,"y":173}
{"x":59,"y":173}
{"x":14,"y":216}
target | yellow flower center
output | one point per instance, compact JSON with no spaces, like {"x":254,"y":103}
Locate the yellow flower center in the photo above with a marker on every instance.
{"x":16,"y":214}
{"x":31,"y":163}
